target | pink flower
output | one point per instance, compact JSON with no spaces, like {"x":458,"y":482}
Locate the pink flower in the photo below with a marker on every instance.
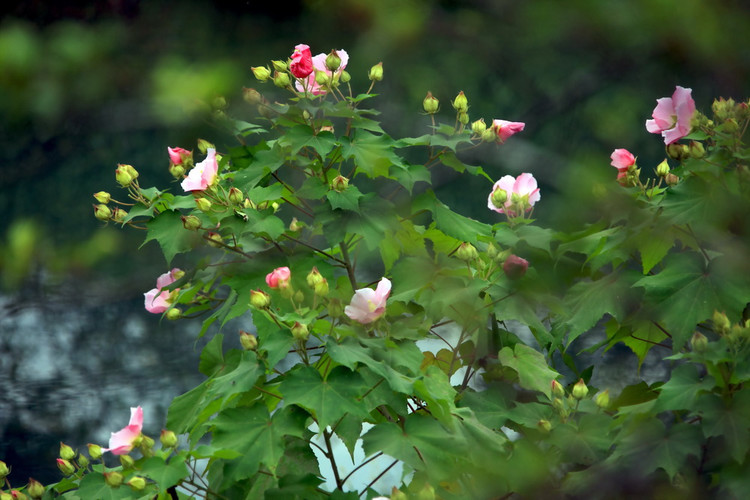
{"x":505,"y":129}
{"x":319,"y":64}
{"x":367,"y":304}
{"x":672,"y":115}
{"x":512,"y":195}
{"x":622,"y":159}
{"x":158,"y":301}
{"x":203,"y":174}
{"x":178,"y":155}
{"x":279,"y":277}
{"x":302,"y":64}
{"x":121,"y":442}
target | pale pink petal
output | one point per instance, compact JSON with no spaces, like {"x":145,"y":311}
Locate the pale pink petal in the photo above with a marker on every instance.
{"x":622,"y":159}
{"x":121,"y":442}
{"x":156,"y":301}
{"x":383,"y":290}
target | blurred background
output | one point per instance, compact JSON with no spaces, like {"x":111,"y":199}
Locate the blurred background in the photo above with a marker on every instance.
{"x":87,"y":85}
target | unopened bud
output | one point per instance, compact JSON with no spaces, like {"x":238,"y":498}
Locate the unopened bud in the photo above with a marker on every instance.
{"x":397,"y":494}
{"x":118,"y":214}
{"x":426,"y":493}
{"x":251,"y":96}
{"x":4,"y":470}
{"x":299,"y":331}
{"x":18,"y":495}
{"x":602,"y":399}
{"x":279,"y":65}
{"x":259,"y":299}
{"x":204,"y":146}
{"x":579,"y":389}
{"x":333,"y":61}
{"x":203,"y":204}
{"x":672,"y":179}
{"x":344,"y":76}
{"x":295,"y":225}
{"x":696,"y":149}
{"x":677,"y":151}
{"x":376,"y":72}
{"x":557,"y":389}
{"x":721,"y":323}
{"x":82,"y":461}
{"x":335,"y":308}
{"x":662,"y":169}
{"x":314,"y":277}
{"x":730,"y":126}
{"x":478,"y":126}
{"x":147,"y":443}
{"x":261,"y":73}
{"x":65,"y":467}
{"x":95,"y":451}
{"x":214,"y":239}
{"x":430,"y":104}
{"x":461,"y":103}
{"x":102,"y":212}
{"x":113,"y":479}
{"x":467,"y":252}
{"x":499,"y":198}
{"x":463,"y":118}
{"x":489,"y":135}
{"x":127,"y":461}
{"x":191,"y":222}
{"x":102,"y":197}
{"x":275,"y":206}
{"x":340,"y":183}
{"x":168,"y":439}
{"x":322,"y":78}
{"x":35,"y":489}
{"x":219,"y":102}
{"x":544,"y":425}
{"x":515,"y":267}
{"x":173,"y":314}
{"x":248,"y":341}
{"x":123,"y":175}
{"x":235,"y":196}
{"x":321,"y":289}
{"x":66,"y":452}
{"x":137,"y":483}
{"x":177,"y":171}
{"x":286,"y":293}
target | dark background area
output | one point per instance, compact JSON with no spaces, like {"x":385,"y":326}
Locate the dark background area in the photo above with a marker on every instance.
{"x":87,"y":85}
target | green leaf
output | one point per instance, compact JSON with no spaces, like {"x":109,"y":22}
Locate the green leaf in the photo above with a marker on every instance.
{"x":346,"y":200}
{"x":490,"y":407}
{"x":303,"y":136}
{"x":166,"y":474}
{"x":167,"y":229}
{"x":588,"y":301}
{"x":450,"y":159}
{"x":407,"y":175}
{"x":372,"y":154}
{"x":237,"y":380}
{"x":586,"y":441}
{"x":94,"y":486}
{"x":436,"y":390}
{"x":533,"y":372}
{"x":273,"y":341}
{"x":451,"y":223}
{"x":212,"y":356}
{"x":729,"y":420}
{"x":326,"y":399}
{"x":682,"y":389}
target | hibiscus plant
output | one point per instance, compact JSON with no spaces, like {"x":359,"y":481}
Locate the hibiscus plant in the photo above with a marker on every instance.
{"x":441,"y":353}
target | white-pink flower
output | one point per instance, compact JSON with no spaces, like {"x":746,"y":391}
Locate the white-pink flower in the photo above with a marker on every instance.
{"x":511,"y":195}
{"x":121,"y":442}
{"x":279,"y":277}
{"x":203,"y":174}
{"x":367,"y":304}
{"x":319,"y":64}
{"x":505,"y":129}
{"x":672,"y":115}
{"x":622,"y":159}
{"x":158,"y":301}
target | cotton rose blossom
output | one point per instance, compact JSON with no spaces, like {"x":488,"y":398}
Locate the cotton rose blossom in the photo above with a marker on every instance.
{"x":520,"y":194}
{"x":177,"y":155}
{"x":158,"y":301}
{"x":279,"y":277}
{"x":672,"y":115}
{"x":203,"y":174}
{"x":622,"y":159}
{"x":121,"y":442}
{"x":319,"y":64}
{"x":368,"y":305}
{"x":302,"y":64}
{"x":505,"y":129}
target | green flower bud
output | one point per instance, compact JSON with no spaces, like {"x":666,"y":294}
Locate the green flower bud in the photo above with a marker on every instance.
{"x":314,"y":277}
{"x":340,"y":183}
{"x":430,"y":104}
{"x":168,"y":439}
{"x":322,"y":78}
{"x":82,"y":461}
{"x":677,"y":151}
{"x":251,"y":96}
{"x":602,"y":399}
{"x":5,"y":496}
{"x":499,"y":197}
{"x":65,"y":467}
{"x":214,"y":239}
{"x":177,"y":171}
{"x":662,"y":169}
{"x":321,"y":288}
{"x":426,"y":493}
{"x":478,"y":127}
{"x":4,"y":470}
{"x":544,"y":425}
{"x":18,"y":495}
{"x":66,"y":452}
{"x":333,"y":61}
{"x":463,"y":118}
{"x":461,"y":103}
{"x":203,"y":204}
{"x":102,"y":197}
{"x":191,"y":222}
{"x":696,"y":149}
{"x":137,"y":483}
{"x":557,"y":389}
{"x":580,"y":390}
{"x":102,"y":212}
{"x":467,"y":252}
{"x":35,"y":489}
{"x":118,"y":215}
{"x":280,"y":66}
{"x":219,"y":102}
{"x":299,"y":331}
{"x":113,"y":479}
{"x":248,"y":341}
{"x":173,"y":314}
{"x":489,"y":135}
{"x":127,"y":462}
{"x":262,"y":73}
{"x":95,"y":451}
{"x":123,"y":177}
{"x":376,"y":72}
{"x":204,"y":145}
{"x":295,"y":225}
{"x":730,"y":126}
{"x":721,"y":323}
{"x":397,"y":494}
{"x":344,"y":76}
{"x":235,"y":196}
{"x":259,"y":299}
{"x":672,"y":179}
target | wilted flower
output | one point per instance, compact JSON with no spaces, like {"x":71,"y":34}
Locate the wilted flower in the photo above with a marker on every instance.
{"x":672,"y":115}
{"x":121,"y":442}
{"x":367,"y":304}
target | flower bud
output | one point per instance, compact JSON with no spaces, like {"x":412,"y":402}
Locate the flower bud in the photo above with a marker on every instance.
{"x":118,"y":215}
{"x":191,"y":222}
{"x":286,"y":292}
{"x":557,"y":389}
{"x":275,"y":206}
{"x":214,"y":239}
{"x":696,"y":149}
{"x":177,"y":171}
{"x":677,"y":151}
{"x":463,"y":118}
{"x":344,"y":76}
{"x":333,"y":61}
{"x":17,"y":495}
{"x":95,"y":451}
{"x":259,"y":299}
{"x":295,"y":225}
{"x":515,"y":267}
{"x":662,"y":169}
{"x":219,"y":102}
{"x":461,"y":103}
{"x":730,"y":126}
{"x":127,"y":462}
{"x":579,"y":389}
{"x":122,"y":176}
{"x":235,"y":196}
{"x":671,"y":179}
{"x":113,"y":479}
{"x":4,"y":470}
{"x":426,"y":493}
{"x":35,"y":489}
{"x":65,"y":467}
{"x":102,"y":197}
{"x":173,"y":314}
{"x":66,"y":452}
{"x":467,"y":252}
{"x":602,"y":399}
{"x":262,"y":73}
{"x":279,"y":65}
{"x":544,"y":425}
{"x":248,"y":341}
{"x":204,"y":146}
{"x":376,"y":72}
{"x":430,"y":104}
{"x":102,"y":212}
{"x":721,"y":323}
{"x":314,"y":277}
{"x":335,"y":308}
{"x":281,"y":80}
{"x":499,"y":198}
{"x":137,"y":483}
{"x":168,"y":439}
{"x":203,"y":204}
{"x":322,"y":78}
{"x":397,"y":494}
{"x":82,"y":461}
{"x":321,"y":289}
{"x":251,"y":96}
{"x":299,"y":331}
{"x":489,"y":135}
{"x":340,"y":183}
{"x":478,"y":127}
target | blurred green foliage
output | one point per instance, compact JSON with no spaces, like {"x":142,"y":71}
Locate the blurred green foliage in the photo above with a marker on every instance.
{"x":88,"y":85}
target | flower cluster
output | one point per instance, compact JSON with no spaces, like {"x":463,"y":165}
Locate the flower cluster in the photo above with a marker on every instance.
{"x":321,"y":74}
